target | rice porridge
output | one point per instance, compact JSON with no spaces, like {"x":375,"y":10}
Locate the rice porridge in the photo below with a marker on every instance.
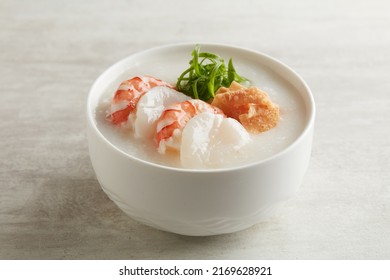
{"x":292,"y":118}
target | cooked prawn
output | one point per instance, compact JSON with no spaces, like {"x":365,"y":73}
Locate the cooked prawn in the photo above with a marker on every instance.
{"x":174,"y":118}
{"x":128,"y":94}
{"x":149,"y":108}
{"x":250,"y":106}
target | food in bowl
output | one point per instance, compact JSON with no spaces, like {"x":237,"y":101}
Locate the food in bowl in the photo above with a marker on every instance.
{"x":156,"y":190}
{"x":198,"y":121}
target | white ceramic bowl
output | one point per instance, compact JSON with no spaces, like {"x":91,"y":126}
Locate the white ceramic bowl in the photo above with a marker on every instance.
{"x":197,"y":202}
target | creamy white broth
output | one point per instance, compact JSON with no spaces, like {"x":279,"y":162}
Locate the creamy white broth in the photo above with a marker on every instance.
{"x":264,"y":145}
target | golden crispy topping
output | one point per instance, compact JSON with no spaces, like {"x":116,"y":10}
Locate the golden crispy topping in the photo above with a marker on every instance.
{"x":250,"y":106}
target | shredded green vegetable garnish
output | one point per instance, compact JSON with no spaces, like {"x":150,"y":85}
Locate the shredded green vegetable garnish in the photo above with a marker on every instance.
{"x":206,"y":74}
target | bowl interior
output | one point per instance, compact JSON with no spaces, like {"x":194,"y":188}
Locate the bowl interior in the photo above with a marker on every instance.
{"x":168,"y":62}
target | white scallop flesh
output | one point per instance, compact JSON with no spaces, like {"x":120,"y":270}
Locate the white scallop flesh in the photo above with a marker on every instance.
{"x":213,"y":141}
{"x":150,"y":106}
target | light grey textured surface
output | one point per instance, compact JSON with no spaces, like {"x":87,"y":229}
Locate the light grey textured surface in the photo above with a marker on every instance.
{"x":51,"y":206}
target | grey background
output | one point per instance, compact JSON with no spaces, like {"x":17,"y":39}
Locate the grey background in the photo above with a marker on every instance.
{"x":51,"y":206}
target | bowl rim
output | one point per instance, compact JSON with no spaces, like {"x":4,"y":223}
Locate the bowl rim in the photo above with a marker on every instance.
{"x":310,"y":107}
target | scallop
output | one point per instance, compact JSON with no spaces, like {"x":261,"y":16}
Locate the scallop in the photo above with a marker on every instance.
{"x":150,"y":106}
{"x":213,"y":141}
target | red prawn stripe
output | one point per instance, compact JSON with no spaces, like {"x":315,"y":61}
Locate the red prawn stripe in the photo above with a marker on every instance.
{"x":167,"y":131}
{"x":124,"y":95}
{"x":121,"y":115}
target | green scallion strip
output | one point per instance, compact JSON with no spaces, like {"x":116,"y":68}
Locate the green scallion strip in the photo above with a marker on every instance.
{"x":206,"y":74}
